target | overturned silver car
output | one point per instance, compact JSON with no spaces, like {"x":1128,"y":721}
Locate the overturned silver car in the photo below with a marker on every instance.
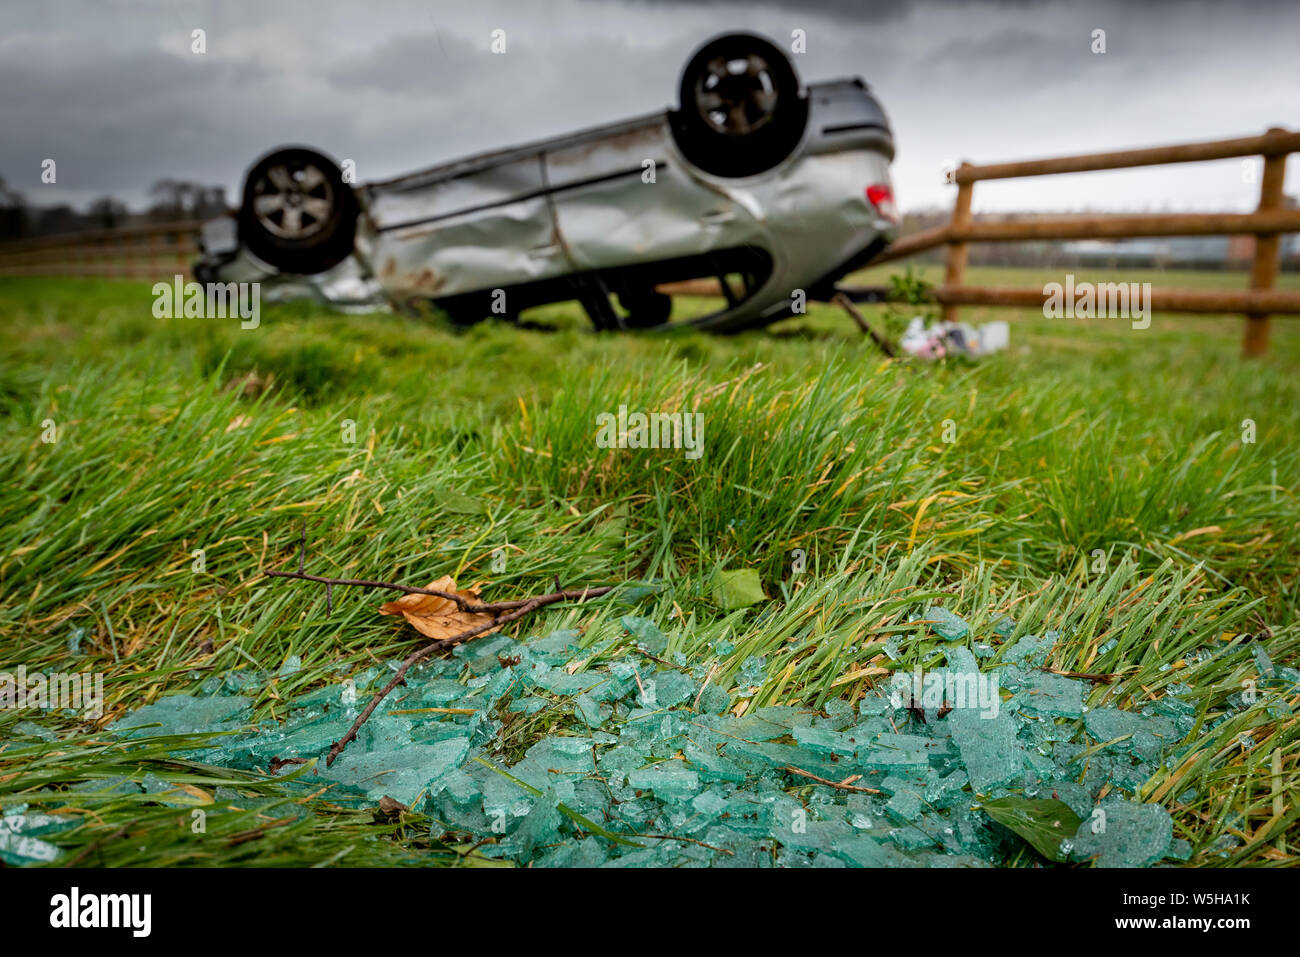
{"x":774,"y":189}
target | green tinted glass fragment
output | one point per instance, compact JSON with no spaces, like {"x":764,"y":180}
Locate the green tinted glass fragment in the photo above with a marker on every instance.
{"x":945,"y":624}
{"x":557,"y":648}
{"x":671,"y":688}
{"x":712,"y":766}
{"x":1145,"y":736}
{"x":646,"y":633}
{"x":887,"y":751}
{"x":988,"y":747}
{"x":400,"y":773}
{"x":1049,"y":695}
{"x":32,"y":729}
{"x":18,"y":849}
{"x":185,"y":714}
{"x":669,"y":781}
{"x":906,"y":802}
{"x":714,"y":700}
{"x":592,"y":712}
{"x":1120,"y":833}
{"x":1031,"y":649}
{"x":823,"y":741}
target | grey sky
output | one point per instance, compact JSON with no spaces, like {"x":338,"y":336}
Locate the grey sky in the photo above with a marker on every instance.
{"x":112,"y":91}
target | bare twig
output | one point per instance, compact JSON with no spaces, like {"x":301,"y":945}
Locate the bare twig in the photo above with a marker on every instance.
{"x":502,"y":612}
{"x":835,"y":784}
{"x":522,"y":608}
{"x":463,"y":603}
{"x":688,"y":840}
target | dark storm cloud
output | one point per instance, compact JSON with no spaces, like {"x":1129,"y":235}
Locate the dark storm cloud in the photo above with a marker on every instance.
{"x":111,"y":90}
{"x":123,"y":107}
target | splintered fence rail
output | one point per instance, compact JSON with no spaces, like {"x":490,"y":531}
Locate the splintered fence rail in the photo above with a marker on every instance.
{"x":153,"y":251}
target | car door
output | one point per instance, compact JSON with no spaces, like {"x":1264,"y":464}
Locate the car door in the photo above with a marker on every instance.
{"x":467,"y":227}
{"x":621,"y":197}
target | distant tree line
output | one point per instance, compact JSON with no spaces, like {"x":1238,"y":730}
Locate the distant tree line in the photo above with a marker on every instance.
{"x":170,"y":200}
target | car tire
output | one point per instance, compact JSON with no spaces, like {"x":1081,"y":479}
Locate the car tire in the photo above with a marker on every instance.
{"x":740,"y":111}
{"x":297,"y":214}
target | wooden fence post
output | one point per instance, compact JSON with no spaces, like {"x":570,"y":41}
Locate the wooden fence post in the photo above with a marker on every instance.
{"x":1263,"y":272}
{"x":957,"y":251}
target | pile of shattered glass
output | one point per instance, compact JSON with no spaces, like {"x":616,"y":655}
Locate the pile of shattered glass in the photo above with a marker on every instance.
{"x":649,"y":763}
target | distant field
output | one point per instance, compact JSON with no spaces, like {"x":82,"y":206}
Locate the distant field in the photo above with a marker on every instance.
{"x":177,"y":435}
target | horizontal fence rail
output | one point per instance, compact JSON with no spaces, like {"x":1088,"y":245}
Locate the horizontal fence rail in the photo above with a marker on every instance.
{"x":1168,"y":300}
{"x":151,"y":251}
{"x":1266,"y":224}
{"x":1276,"y":142}
{"x":1124,"y":227}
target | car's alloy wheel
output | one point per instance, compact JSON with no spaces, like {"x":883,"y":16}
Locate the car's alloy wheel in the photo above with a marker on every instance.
{"x":293,"y":201}
{"x":298,"y":215}
{"x":736,"y":97}
{"x":740,"y":109}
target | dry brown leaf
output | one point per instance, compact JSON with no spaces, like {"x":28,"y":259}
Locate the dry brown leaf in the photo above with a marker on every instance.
{"x":436,"y":617}
{"x":389,"y":809}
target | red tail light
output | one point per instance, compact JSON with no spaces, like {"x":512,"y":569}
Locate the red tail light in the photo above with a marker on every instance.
{"x":882,"y":197}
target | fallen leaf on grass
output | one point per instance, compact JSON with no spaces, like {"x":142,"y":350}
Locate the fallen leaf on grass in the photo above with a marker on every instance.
{"x":389,"y":810}
{"x":458,"y":503}
{"x":1044,"y":823}
{"x":737,"y":588}
{"x":436,"y":617}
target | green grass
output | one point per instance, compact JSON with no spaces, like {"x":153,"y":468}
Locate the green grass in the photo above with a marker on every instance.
{"x":1085,"y":438}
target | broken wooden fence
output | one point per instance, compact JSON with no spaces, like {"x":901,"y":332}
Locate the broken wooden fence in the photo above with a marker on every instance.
{"x":1266,"y":224}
